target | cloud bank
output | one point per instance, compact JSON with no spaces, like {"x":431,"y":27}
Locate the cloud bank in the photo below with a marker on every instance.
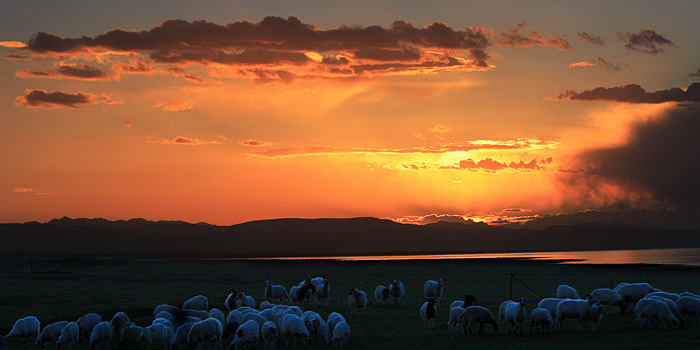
{"x":633,"y":93}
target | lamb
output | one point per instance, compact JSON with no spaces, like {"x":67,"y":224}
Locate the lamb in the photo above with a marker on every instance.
{"x":476,"y":314}
{"x":515,"y":315}
{"x":233,"y":321}
{"x":541,"y":320}
{"x":566,"y":292}
{"x":119,"y":321}
{"x":50,"y":333}
{"x":550,"y":304}
{"x":246,"y":336}
{"x":199,"y":302}
{"x":654,"y":310}
{"x":455,"y":312}
{"x":276,"y":291}
{"x":179,"y":341}
{"x":70,"y":334}
{"x":269,"y":333}
{"x":209,"y":331}
{"x":101,"y":335}
{"x":333,"y":319}
{"x":357,"y":302}
{"x":86,"y":324}
{"x":396,"y":290}
{"x":323,"y":292}
{"x":575,"y":309}
{"x":466,"y":302}
{"x":605,"y":296}
{"x":26,"y":327}
{"x":381,"y":294}
{"x":690,"y":308}
{"x":341,"y":333}
{"x":427,"y":312}
{"x":292,"y":327}
{"x":633,"y":292}
{"x":433,"y":290}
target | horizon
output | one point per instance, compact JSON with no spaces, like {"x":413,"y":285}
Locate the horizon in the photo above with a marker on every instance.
{"x":497,"y":112}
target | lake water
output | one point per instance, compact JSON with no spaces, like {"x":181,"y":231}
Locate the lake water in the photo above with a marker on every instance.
{"x":684,"y":256}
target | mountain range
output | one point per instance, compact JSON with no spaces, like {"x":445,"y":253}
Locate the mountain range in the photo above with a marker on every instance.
{"x":320,"y":237}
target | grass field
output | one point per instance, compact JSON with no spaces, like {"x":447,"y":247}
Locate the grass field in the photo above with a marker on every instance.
{"x":65,"y":289}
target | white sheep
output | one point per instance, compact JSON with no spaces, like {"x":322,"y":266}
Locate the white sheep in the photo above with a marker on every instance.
{"x":119,"y":321}
{"x":70,"y":334}
{"x":50,"y":333}
{"x":357,"y":302}
{"x":476,"y":314}
{"x":574,"y":309}
{"x":323,"y":293}
{"x":323,"y":334}
{"x":252,"y":316}
{"x":86,"y":324}
{"x":333,"y":319}
{"x":551,"y":305}
{"x":179,"y":341}
{"x":690,"y":308}
{"x":275,"y":291}
{"x":567,"y":292}
{"x":428,"y":311}
{"x":341,"y":333}
{"x":541,"y":320}
{"x":433,"y":290}
{"x":312,"y":321}
{"x":453,"y":319}
{"x":649,"y":310}
{"x":264,"y":305}
{"x":199,"y":302}
{"x":269,"y":333}
{"x":467,"y":301}
{"x":671,"y":305}
{"x":595,"y":315}
{"x":218,"y":314}
{"x":157,"y":334}
{"x":689,"y":294}
{"x":667,"y":295}
{"x":396,"y":290}
{"x":381,"y":294}
{"x":233,"y":321}
{"x":209,"y":332}
{"x":609,"y":297}
{"x":515,"y":315}
{"x":101,"y":335}
{"x":269,"y":314}
{"x":247,"y":336}
{"x":633,"y":292}
{"x":165,"y":307}
{"x":292,"y":328}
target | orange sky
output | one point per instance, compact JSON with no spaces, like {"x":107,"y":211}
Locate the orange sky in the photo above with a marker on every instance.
{"x":499,"y":115}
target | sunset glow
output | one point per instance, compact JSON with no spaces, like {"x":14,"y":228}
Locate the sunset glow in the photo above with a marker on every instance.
{"x":417,"y":113}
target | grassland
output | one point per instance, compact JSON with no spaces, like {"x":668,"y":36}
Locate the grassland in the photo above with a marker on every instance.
{"x":65,"y":289}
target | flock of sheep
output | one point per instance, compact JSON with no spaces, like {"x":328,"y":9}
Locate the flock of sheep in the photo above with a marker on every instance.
{"x":196,"y":326}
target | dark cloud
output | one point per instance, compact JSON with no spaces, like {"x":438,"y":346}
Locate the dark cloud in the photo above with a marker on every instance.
{"x":658,"y":166}
{"x":54,"y":99}
{"x":255,"y":143}
{"x":488,"y":164}
{"x":184,"y":140}
{"x":516,"y":38}
{"x":696,"y":74}
{"x":633,"y":93}
{"x":599,"y":62}
{"x":408,"y":54}
{"x":82,"y":71}
{"x":591,"y":38}
{"x":645,"y":41}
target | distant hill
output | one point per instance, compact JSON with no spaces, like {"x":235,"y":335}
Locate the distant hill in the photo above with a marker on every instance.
{"x":320,"y":237}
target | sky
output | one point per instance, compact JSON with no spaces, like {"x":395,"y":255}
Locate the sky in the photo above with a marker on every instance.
{"x":417,"y":111}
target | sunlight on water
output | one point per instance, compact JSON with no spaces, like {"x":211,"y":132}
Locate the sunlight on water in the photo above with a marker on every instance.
{"x":648,"y":256}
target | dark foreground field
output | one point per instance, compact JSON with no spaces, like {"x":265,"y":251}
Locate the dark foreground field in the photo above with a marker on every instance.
{"x":64,"y":289}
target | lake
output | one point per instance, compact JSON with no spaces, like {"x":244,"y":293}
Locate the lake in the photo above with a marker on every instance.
{"x":681,"y":256}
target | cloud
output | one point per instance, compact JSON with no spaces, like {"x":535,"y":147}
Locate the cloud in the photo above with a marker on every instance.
{"x":110,"y":100}
{"x":54,"y":99}
{"x":490,"y":165}
{"x":184,"y":140}
{"x":82,"y":72}
{"x":128,"y":124}
{"x":516,"y":38}
{"x":278,"y":49}
{"x":519,"y":144}
{"x":255,"y":143}
{"x":599,"y":62}
{"x":659,"y":165}
{"x":441,"y":129}
{"x":696,"y":74}
{"x":434,"y":218}
{"x":12,"y":44}
{"x":645,"y":41}
{"x":591,"y":38}
{"x":633,"y":93}
{"x":33,"y":191}
{"x":173,"y":106}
